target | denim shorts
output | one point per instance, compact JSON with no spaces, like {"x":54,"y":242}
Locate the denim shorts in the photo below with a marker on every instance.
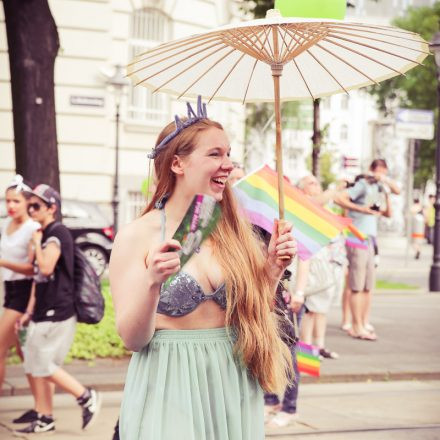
{"x":47,"y":344}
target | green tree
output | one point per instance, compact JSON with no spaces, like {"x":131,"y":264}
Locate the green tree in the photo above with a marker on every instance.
{"x":326,"y":160}
{"x":257,"y":115}
{"x":418,"y":88}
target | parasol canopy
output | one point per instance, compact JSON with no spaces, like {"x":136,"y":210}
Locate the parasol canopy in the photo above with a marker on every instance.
{"x":318,"y":58}
{"x":278,"y":59}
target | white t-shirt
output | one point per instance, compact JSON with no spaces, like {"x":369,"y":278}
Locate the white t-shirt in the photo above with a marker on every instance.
{"x":15,"y":247}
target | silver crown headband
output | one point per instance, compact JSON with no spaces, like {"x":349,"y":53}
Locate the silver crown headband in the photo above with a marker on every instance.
{"x":193,"y":117}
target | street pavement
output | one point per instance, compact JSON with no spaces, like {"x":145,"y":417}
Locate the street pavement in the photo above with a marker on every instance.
{"x":397,"y":410}
{"x":388,"y":389}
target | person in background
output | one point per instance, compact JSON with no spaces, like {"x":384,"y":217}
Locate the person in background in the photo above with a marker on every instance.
{"x":429,"y":213}
{"x":16,"y":269}
{"x":237,"y":173}
{"x":417,"y":227}
{"x":282,"y":411}
{"x":52,"y":317}
{"x":363,"y":202}
{"x":339,"y":257}
{"x":317,"y":305}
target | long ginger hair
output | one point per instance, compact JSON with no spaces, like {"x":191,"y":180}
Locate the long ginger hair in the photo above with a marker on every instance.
{"x":250,"y":295}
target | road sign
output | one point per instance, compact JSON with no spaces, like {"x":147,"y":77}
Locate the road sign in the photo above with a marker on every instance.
{"x":350,"y":162}
{"x":88,"y":101}
{"x":415,"y":124}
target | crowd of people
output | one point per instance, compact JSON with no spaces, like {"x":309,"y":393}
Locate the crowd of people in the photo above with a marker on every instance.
{"x":37,"y":268}
{"x":213,"y":357}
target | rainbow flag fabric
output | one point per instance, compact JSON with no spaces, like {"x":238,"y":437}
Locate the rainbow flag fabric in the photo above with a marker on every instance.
{"x":313,"y":226}
{"x":355,"y":238}
{"x":307,"y":357}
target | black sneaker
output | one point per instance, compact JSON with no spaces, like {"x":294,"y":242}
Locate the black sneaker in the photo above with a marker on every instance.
{"x":27,"y":417}
{"x":90,"y":409}
{"x":42,"y":424}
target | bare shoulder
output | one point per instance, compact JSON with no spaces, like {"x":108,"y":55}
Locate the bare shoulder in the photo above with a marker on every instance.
{"x":138,"y":235}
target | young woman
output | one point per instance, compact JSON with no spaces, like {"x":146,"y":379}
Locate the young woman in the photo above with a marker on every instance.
{"x":207,"y":344}
{"x":15,"y":265}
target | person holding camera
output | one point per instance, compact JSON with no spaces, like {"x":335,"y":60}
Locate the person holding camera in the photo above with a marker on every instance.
{"x":363,"y":201}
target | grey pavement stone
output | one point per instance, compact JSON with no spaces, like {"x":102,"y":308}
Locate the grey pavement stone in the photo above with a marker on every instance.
{"x":397,"y":262}
{"x":380,"y":410}
{"x":406,"y":322}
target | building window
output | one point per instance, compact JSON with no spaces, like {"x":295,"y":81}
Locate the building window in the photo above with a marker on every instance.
{"x":136,"y":203}
{"x":149,"y":27}
{"x":344,"y":132}
{"x":344,"y":102}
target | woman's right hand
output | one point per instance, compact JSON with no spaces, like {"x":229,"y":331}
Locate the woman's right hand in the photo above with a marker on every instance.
{"x":164,"y":261}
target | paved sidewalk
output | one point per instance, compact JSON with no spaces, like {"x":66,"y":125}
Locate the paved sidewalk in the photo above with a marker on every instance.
{"x":357,"y":411}
{"x":397,"y":263}
{"x":387,"y":390}
{"x":406,"y":322}
{"x":408,"y":348}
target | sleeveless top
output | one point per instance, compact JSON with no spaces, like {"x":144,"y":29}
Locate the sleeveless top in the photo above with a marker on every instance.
{"x":15,"y":247}
{"x":184,"y":294}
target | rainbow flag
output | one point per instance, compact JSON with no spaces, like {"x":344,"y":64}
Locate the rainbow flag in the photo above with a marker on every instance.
{"x":313,"y":226}
{"x":307,"y":357}
{"x":355,"y":238}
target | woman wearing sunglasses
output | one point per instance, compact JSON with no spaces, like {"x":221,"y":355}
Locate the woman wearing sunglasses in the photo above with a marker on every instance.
{"x":15,"y":266}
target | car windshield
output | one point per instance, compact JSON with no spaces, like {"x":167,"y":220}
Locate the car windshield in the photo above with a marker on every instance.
{"x":72,"y":209}
{"x":82,"y":210}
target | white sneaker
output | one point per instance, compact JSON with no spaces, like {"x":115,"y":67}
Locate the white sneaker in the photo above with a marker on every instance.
{"x":91,"y":408}
{"x":282,"y":419}
{"x":270,"y":411}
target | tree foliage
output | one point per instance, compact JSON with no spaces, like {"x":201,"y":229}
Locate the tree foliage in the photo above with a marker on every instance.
{"x":418,"y":88}
{"x":257,"y":8}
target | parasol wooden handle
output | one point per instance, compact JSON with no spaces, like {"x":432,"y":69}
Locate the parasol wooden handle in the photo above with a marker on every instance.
{"x":281,"y":228}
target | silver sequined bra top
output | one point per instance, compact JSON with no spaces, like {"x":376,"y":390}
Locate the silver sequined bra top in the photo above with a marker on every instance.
{"x":184,"y":294}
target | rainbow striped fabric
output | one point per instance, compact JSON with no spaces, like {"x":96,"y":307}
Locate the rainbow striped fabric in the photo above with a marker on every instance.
{"x":355,"y":238}
{"x":307,"y":357}
{"x":313,"y":226}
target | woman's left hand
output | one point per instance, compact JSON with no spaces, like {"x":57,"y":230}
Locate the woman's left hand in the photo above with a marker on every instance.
{"x":281,"y":249}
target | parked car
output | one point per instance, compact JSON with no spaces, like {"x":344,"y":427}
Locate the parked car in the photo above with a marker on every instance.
{"x":90,"y":228}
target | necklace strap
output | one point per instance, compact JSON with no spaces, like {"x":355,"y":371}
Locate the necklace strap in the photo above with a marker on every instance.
{"x":163,"y":220}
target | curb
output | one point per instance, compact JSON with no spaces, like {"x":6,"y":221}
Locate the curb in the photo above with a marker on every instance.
{"x":335,"y":378}
{"x":393,"y":292}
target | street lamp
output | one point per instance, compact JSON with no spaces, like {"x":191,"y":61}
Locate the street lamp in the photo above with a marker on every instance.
{"x":118,"y":82}
{"x":434,"y":275}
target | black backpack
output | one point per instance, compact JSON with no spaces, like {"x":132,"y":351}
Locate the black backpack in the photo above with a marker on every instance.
{"x":89,"y":302}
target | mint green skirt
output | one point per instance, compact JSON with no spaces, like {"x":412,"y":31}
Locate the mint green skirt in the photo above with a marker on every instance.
{"x":187,"y":385}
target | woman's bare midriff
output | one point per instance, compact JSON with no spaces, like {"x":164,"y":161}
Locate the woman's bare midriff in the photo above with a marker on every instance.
{"x":206,"y":315}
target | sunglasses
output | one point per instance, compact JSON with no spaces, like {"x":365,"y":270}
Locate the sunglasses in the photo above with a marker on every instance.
{"x":35,"y":206}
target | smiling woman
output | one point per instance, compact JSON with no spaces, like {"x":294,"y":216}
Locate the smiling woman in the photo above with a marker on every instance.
{"x":198,"y":373}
